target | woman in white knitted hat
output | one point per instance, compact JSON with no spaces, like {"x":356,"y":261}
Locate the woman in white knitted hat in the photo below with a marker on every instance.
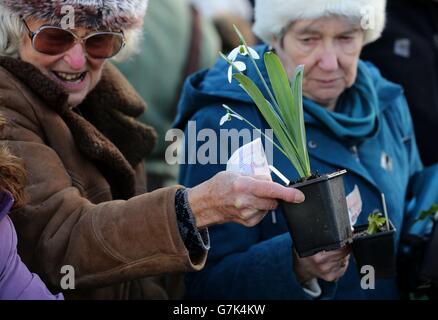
{"x":354,"y":119}
{"x":70,"y":116}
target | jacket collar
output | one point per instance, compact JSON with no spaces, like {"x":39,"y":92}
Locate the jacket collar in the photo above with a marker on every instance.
{"x":104,"y":125}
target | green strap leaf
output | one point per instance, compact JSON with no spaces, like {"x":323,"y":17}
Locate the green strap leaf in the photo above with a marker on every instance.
{"x":282,"y":91}
{"x":298,"y":98}
{"x":290,"y":105}
{"x":272,"y":119}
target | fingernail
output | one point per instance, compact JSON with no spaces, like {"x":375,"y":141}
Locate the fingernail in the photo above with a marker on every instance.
{"x":299,"y":197}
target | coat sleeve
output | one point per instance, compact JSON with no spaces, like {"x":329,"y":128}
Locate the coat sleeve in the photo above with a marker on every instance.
{"x":107,"y":243}
{"x":16,"y":281}
{"x":242,"y":263}
{"x":423,"y":182}
{"x":422,"y":193}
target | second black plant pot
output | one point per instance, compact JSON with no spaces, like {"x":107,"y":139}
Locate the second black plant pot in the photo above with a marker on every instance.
{"x":321,"y":222}
{"x":429,"y":267}
{"x":375,"y":250}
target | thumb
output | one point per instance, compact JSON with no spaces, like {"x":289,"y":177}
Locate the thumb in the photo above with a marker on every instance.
{"x":272,"y":190}
{"x":293,"y":195}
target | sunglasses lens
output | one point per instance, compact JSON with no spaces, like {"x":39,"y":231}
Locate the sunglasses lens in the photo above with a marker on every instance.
{"x":104,"y":45}
{"x":53,"y":41}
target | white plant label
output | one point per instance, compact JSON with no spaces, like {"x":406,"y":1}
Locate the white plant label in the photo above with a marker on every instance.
{"x":250,"y":160}
{"x":354,"y":204}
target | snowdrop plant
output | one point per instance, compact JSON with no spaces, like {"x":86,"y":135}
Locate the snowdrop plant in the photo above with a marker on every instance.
{"x":239,"y":65}
{"x":229,"y":115}
{"x":284,"y":109}
{"x":376,"y":222}
{"x":243,"y":50}
{"x":432,"y":212}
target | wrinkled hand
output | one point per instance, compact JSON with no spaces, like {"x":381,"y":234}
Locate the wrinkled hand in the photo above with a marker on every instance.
{"x":231,"y":197}
{"x":328,"y":266}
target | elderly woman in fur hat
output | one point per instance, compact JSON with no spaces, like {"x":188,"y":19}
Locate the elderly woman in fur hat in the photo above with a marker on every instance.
{"x":71,"y":118}
{"x":355,"y":119}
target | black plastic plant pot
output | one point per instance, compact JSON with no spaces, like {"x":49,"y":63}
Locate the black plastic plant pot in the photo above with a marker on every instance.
{"x":321,"y":222}
{"x":375,"y":250}
{"x":429,"y":267}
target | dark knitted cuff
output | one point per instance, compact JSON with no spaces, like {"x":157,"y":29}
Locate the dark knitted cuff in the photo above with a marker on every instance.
{"x":195,"y":241}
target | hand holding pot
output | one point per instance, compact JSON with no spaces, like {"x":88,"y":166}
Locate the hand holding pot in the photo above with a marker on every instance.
{"x":328,"y":266}
{"x":232,"y":197}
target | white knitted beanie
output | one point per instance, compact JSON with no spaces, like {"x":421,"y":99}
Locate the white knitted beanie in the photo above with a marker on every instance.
{"x":272,"y":16}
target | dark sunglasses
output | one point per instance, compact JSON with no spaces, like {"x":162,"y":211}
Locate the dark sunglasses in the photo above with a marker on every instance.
{"x":55,"y":40}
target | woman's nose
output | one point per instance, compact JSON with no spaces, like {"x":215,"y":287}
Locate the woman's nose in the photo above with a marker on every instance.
{"x":76,"y":57}
{"x":329,"y":60}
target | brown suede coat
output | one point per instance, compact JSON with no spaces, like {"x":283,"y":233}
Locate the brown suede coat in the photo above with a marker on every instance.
{"x":86,"y":201}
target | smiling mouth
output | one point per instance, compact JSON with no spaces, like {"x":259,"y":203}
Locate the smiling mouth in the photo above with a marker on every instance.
{"x":70,"y":77}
